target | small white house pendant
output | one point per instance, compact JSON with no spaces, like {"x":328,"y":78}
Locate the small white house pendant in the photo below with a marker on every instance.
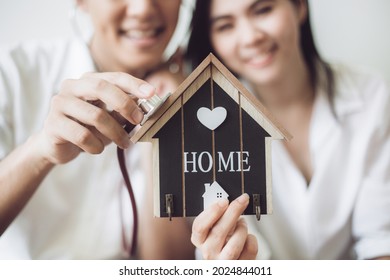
{"x":212,"y":194}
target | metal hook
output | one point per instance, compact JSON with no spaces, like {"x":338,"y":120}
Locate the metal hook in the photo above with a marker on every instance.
{"x":169,"y":205}
{"x":256,"y":206}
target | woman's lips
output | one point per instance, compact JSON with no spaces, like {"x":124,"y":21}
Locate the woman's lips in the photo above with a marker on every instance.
{"x":262,"y":59}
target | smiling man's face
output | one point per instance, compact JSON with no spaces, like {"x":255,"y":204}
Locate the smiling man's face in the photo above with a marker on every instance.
{"x":130,"y":35}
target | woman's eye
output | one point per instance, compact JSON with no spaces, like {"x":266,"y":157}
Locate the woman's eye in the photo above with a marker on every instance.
{"x":262,"y":10}
{"x":222,"y":27}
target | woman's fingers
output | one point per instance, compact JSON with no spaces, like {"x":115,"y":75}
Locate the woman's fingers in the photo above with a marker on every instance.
{"x":216,"y":230}
{"x":235,"y":244}
{"x":229,"y":219}
{"x":218,"y":235}
{"x":249,"y":252}
{"x":206,"y":220}
{"x":169,"y":75}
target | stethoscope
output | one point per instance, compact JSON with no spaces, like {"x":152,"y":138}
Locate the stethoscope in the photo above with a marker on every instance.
{"x":148,"y":106}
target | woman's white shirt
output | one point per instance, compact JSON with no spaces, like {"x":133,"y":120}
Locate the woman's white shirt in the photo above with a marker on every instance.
{"x":77,"y":211}
{"x":344,"y":212}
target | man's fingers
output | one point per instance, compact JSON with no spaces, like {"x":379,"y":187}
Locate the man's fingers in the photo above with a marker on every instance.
{"x":93,"y":88}
{"x":126,"y":83}
{"x":90,"y":115}
{"x":68,"y":130}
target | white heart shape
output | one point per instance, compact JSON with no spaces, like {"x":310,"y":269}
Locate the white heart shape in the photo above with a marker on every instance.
{"x":211,"y":118}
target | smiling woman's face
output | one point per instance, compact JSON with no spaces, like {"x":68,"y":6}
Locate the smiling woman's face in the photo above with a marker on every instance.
{"x":130,"y":35}
{"x":257,"y":39}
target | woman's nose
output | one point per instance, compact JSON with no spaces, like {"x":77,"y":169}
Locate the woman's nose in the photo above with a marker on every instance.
{"x":249,"y":33}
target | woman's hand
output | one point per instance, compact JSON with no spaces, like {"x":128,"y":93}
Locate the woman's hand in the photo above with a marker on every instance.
{"x":220,"y":233}
{"x":169,"y":75}
{"x":90,"y":112}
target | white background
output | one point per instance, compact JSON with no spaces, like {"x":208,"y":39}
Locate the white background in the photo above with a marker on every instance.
{"x":347,"y":31}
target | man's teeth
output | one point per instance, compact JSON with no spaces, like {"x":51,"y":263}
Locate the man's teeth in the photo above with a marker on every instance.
{"x":141,"y":34}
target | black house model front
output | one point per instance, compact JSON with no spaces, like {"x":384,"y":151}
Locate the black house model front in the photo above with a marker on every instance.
{"x":211,"y":139}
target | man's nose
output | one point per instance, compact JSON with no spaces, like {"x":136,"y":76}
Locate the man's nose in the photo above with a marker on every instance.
{"x":140,"y":8}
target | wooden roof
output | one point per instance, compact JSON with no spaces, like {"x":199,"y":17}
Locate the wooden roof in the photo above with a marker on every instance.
{"x":211,"y":67}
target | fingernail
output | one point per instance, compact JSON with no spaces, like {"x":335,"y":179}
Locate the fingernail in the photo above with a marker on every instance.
{"x":147,"y":90}
{"x":243,"y":199}
{"x":223,"y":203}
{"x":137,"y":115}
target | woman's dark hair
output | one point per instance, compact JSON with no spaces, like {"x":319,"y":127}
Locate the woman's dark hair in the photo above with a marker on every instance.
{"x":199,"y":46}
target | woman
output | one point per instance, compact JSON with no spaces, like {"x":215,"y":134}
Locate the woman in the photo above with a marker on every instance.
{"x":59,"y":100}
{"x":331,"y":184}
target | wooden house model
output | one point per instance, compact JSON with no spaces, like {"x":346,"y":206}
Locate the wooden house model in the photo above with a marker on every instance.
{"x":211,"y":129}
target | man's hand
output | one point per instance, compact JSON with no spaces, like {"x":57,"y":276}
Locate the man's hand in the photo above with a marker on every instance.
{"x":90,"y":112}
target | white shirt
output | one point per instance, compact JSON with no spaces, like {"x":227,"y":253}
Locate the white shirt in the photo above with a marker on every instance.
{"x":345,"y":211}
{"x":76,"y":211}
